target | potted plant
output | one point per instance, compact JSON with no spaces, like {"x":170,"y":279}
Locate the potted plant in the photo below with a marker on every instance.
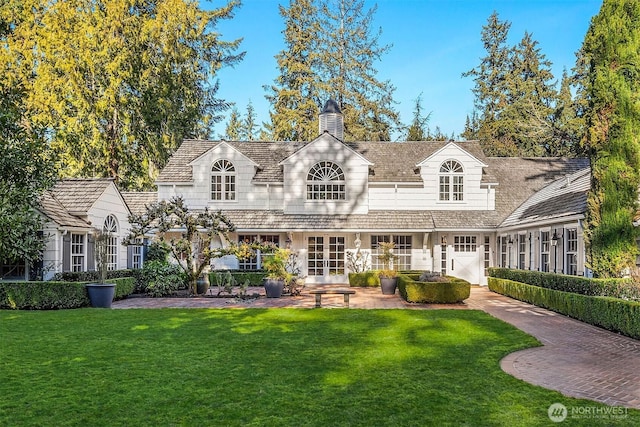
{"x":277,"y":275}
{"x":101,"y":294}
{"x":388,"y":274}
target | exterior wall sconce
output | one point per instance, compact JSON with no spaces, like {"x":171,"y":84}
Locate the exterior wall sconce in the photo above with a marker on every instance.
{"x":554,"y":239}
{"x":443,"y":240}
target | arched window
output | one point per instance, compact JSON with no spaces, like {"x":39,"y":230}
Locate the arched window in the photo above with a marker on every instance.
{"x":110,"y":228}
{"x":451,"y":181}
{"x":325,"y":181}
{"x":223,"y":180}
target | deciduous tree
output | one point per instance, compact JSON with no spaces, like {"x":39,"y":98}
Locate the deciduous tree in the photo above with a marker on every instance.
{"x":117,"y":84}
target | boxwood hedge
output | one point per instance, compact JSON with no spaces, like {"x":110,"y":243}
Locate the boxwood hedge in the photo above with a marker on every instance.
{"x":606,"y":312}
{"x":454,"y":291}
{"x":617,"y":288}
{"x":54,"y":294}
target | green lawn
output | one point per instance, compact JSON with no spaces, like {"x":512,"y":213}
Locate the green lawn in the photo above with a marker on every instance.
{"x":292,"y":367}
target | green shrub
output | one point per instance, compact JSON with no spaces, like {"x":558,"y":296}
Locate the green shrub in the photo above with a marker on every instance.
{"x":54,"y":295}
{"x":616,"y":288}
{"x":160,"y":279}
{"x":366,"y":279}
{"x":453,"y":291}
{"x":93,"y":276}
{"x":609,"y":313}
{"x":254,"y":277}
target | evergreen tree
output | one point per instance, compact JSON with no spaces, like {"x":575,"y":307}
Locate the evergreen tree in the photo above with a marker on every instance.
{"x":330,"y":52}
{"x":294,"y":97}
{"x":233,"y":130}
{"x":346,"y":68}
{"x":117,"y":84}
{"x":611,"y":51}
{"x":249,"y":125}
{"x":490,"y":89}
{"x":568,"y":126}
{"x":418,"y":130}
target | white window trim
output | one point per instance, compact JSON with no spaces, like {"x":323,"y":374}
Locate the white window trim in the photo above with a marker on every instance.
{"x":451,"y":175}
{"x":228,"y":173}
{"x":324,"y":181}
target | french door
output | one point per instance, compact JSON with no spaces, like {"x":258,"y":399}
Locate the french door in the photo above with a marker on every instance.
{"x":326,"y":259}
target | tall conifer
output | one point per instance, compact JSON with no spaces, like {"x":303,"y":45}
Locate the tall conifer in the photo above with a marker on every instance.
{"x":611,"y":52}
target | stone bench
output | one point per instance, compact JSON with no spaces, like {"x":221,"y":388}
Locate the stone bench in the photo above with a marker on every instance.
{"x":319,"y":292}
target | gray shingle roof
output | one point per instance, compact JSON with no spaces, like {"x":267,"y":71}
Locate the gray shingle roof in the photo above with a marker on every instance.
{"x":393,"y":161}
{"x":375,"y":220}
{"x":563,"y":197}
{"x":53,"y":209}
{"x":137,"y":201}
{"x":78,"y":195}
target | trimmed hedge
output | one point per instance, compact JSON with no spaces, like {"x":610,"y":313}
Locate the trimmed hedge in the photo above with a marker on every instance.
{"x":366,"y":279}
{"x":606,"y":312}
{"x":54,"y":295}
{"x":254,"y":277}
{"x":616,"y":288}
{"x":454,"y":291}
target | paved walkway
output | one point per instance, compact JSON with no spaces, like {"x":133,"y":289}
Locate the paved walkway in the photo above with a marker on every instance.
{"x":576,"y":359}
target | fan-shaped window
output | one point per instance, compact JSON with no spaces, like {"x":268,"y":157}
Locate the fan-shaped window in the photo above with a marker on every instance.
{"x":451,"y":181}
{"x":110,"y":227}
{"x":325,"y":181}
{"x":223,"y":180}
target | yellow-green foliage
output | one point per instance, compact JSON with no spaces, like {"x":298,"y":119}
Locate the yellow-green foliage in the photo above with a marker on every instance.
{"x":454,"y":291}
{"x":367,"y":279}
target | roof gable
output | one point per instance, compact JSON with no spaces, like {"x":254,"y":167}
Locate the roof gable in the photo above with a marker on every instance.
{"x":78,"y":195}
{"x":222,"y":149}
{"x":448,"y":149}
{"x":331,"y":145}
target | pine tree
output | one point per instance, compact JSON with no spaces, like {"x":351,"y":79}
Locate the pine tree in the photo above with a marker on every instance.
{"x":330,"y":53}
{"x":118,"y":84}
{"x":612,"y":51}
{"x":249,"y":125}
{"x":348,"y":50}
{"x":418,"y":130}
{"x":233,"y":130}
{"x":294,"y":96}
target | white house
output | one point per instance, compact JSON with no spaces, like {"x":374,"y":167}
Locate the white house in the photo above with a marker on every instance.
{"x":72,"y":211}
{"x":447,"y":206}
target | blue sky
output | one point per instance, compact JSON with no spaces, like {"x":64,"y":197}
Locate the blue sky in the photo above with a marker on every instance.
{"x":434,"y":42}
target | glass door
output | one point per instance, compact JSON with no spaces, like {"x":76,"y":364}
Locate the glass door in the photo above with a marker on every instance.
{"x":326,"y":259}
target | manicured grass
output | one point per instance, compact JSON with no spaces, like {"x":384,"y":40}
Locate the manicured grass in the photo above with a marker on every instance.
{"x":273,"y":367}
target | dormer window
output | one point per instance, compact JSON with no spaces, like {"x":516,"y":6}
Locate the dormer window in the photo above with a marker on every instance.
{"x":223,"y":180}
{"x":325,"y":181}
{"x":451,"y":181}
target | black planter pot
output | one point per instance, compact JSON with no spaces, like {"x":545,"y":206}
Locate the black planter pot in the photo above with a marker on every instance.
{"x":202,"y":284}
{"x":388,"y":285}
{"x":101,"y":294}
{"x":273,"y":287}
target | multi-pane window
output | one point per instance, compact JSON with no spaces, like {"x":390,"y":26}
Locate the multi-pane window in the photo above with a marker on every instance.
{"x":487,"y":255}
{"x":223,"y":181}
{"x":13,"y":269}
{"x":544,"y":251}
{"x":248,"y":263}
{"x":503,"y":241}
{"x":325,"y":181}
{"x":443,"y":256}
{"x":464,"y":243}
{"x":572,"y":251}
{"x":110,"y":227}
{"x":136,"y":257}
{"x":402,"y":249}
{"x":522,"y":249}
{"x":403,"y":252}
{"x":451,"y":181}
{"x":255,"y":262}
{"x":77,"y":252}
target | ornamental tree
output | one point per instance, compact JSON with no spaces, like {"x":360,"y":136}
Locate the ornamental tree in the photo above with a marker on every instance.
{"x":194,"y":238}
